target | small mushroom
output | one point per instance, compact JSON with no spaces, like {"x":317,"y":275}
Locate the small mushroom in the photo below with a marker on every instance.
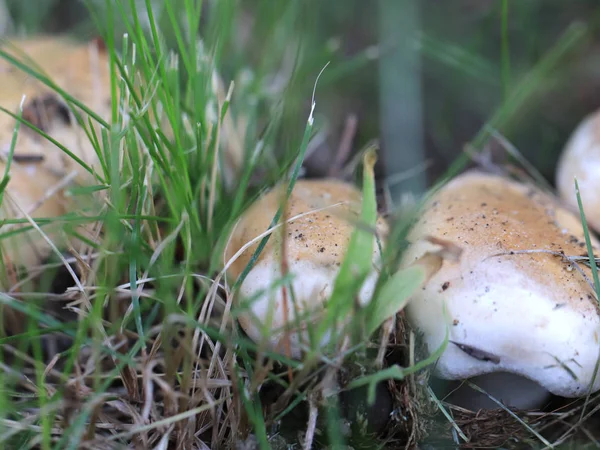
{"x":315,"y":245}
{"x":581,"y":158}
{"x":513,"y":305}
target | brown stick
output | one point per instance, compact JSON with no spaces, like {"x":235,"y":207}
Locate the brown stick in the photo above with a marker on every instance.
{"x":345,"y":147}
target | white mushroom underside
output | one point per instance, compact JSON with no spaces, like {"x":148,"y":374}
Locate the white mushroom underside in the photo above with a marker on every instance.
{"x":496,"y":311}
{"x":312,"y":285}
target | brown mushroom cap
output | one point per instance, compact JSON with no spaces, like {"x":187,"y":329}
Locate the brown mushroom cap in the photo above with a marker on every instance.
{"x":315,"y":246}
{"x":533,"y":314}
{"x":323,"y":233}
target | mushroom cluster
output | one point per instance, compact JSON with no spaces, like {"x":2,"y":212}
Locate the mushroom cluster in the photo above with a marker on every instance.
{"x":322,"y":215}
{"x":40,"y":170}
{"x":520,"y":315}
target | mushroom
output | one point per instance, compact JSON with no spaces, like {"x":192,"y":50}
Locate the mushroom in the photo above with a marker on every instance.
{"x":521,"y":317}
{"x":581,"y":158}
{"x":40,"y":170}
{"x":82,"y":70}
{"x":315,"y":245}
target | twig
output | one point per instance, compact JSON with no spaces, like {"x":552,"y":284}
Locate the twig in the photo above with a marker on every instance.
{"x":312,"y":423}
{"x":345,"y":147}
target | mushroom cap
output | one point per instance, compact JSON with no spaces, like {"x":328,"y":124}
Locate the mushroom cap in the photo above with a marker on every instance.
{"x":581,"y":158}
{"x":531,"y":314}
{"x":315,"y":246}
{"x":79,"y":68}
{"x":39,"y":166}
{"x":82,"y":70}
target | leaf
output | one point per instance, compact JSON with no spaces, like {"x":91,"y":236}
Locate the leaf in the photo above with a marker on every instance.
{"x":86,"y":190}
{"x":594,"y":268}
{"x":355,"y":264}
{"x":395,"y":294}
{"x":391,"y":373}
{"x":399,"y":288}
{"x":355,"y":267}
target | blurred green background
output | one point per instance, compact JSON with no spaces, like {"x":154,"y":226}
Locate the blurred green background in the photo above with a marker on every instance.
{"x":467,"y":56}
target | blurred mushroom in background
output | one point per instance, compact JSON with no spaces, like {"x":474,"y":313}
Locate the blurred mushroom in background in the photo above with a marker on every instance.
{"x":580,"y":159}
{"x":39,"y":170}
{"x":5,"y":19}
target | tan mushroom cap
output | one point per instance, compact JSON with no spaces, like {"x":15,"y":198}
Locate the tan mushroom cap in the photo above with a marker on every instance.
{"x":79,"y":69}
{"x":531,"y":314}
{"x":315,"y":246}
{"x":39,"y":167}
{"x":581,"y":158}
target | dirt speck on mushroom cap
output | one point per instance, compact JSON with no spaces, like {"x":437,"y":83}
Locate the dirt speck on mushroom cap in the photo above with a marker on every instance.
{"x":533,"y":312}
